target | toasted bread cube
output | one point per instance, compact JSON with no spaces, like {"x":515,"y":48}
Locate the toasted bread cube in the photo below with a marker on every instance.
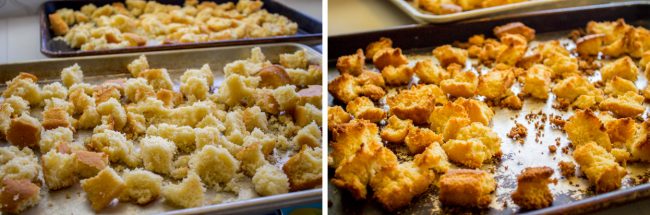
{"x":296,"y":60}
{"x":621,"y":155}
{"x":618,"y":86}
{"x":471,"y":153}
{"x":24,"y":131}
{"x":572,"y":87}
{"x":51,"y":139}
{"x":515,"y":28}
{"x":159,"y":78}
{"x":515,"y":49}
{"x":613,"y":31}
{"x":418,"y":139}
{"x":56,"y":117}
{"x":532,"y":188}
{"x":270,"y":180}
{"x":462,"y":84}
{"x":430,"y":73}
{"x":477,"y":110}
{"x":54,"y":90}
{"x":157,"y":154}
{"x":355,"y":172}
{"x":584,"y":127}
{"x":395,"y":186}
{"x":214,"y":165}
{"x":448,"y":55}
{"x":346,"y":88}
{"x":638,"y":146}
{"x":409,"y":104}
{"x":396,"y":129}
{"x":537,"y":81}
{"x":590,"y":44}
{"x":116,"y":146}
{"x":25,"y":88}
{"x":483,"y":133}
{"x":433,"y":157}
{"x":88,"y":164}
{"x":389,"y":57}
{"x":621,"y":131}
{"x":496,"y":83}
{"x":442,"y":114}
{"x":72,"y":75}
{"x":102,"y":189}
{"x":397,"y":75}
{"x":182,"y":136}
{"x":58,"y":25}
{"x":138,"y":65}
{"x":349,"y":137}
{"x":364,"y":108}
{"x":187,"y":194}
{"x":336,"y":116}
{"x":623,"y":67}
{"x":18,"y":195}
{"x":304,"y":169}
{"x":309,"y":135}
{"x":374,"y":47}
{"x":58,"y":170}
{"x":142,"y":186}
{"x":600,"y":166}
{"x":558,"y":58}
{"x":467,"y":188}
{"x":629,"y":104}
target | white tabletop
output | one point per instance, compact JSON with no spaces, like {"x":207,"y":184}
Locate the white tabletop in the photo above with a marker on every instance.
{"x":19,"y":27}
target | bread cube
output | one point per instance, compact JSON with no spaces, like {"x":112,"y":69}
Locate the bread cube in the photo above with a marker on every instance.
{"x":18,"y":164}
{"x":466,"y":188}
{"x":56,"y":117}
{"x":515,"y":28}
{"x":346,"y":88}
{"x":448,"y":55}
{"x":600,"y":166}
{"x":396,"y":129}
{"x":629,"y":104}
{"x":253,"y":117}
{"x":72,"y":75}
{"x":618,"y":86}
{"x":409,"y":104}
{"x":270,"y":180}
{"x":286,"y":97}
{"x":138,"y":65}
{"x":113,"y":109}
{"x":590,"y":44}
{"x":54,"y":90}
{"x":364,"y":108}
{"x":418,"y":139}
{"x":58,"y":170}
{"x":157,"y":154}
{"x":623,"y":67}
{"x":24,"y":86}
{"x":440,"y":116}
{"x":116,"y":146}
{"x":251,"y":158}
{"x":351,"y":64}
{"x":187,"y":194}
{"x":137,"y":90}
{"x":374,"y":47}
{"x":496,"y":83}
{"x":296,"y":60}
{"x":158,"y":78}
{"x":572,"y":87}
{"x":389,"y":57}
{"x":395,"y":186}
{"x":584,"y":127}
{"x":214,"y":165}
{"x":182,"y":136}
{"x":304,"y":169}
{"x":17,"y":104}
{"x":102,"y":189}
{"x":18,"y":195}
{"x":51,"y":139}
{"x":537,"y":81}
{"x":477,"y":111}
{"x":309,"y":135}
{"x":307,"y":114}
{"x":430,"y":73}
{"x":532,"y":188}
{"x":88,"y":164}
{"x":142,"y":186}
{"x":24,"y":131}
{"x":462,"y":84}
{"x":637,"y":146}
{"x":397,"y":75}
{"x":336,"y":116}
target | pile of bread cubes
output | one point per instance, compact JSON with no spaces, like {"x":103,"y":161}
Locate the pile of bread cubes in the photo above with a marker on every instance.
{"x":258,"y":134}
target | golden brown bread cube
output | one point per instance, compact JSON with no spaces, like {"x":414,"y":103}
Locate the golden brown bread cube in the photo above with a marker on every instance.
{"x":88,"y":164}
{"x":462,"y":84}
{"x":448,"y":55}
{"x":103,"y":188}
{"x":430,"y":73}
{"x":16,"y":195}
{"x":618,"y":86}
{"x":416,"y":103}
{"x":629,"y":104}
{"x":351,"y":64}
{"x":573,"y":87}
{"x":336,"y":116}
{"x":515,"y":49}
{"x":418,"y":139}
{"x":389,"y":57}
{"x":536,"y":81}
{"x":58,"y":25}
{"x":396,"y":129}
{"x":623,"y":67}
{"x":600,"y":166}
{"x":364,"y":108}
{"x":395,"y":186}
{"x":346,"y":88}
{"x":374,"y":47}
{"x":400,"y":75}
{"x":613,"y":31}
{"x":442,"y":114}
{"x":496,"y":83}
{"x":590,"y":44}
{"x":515,"y":28}
{"x":55,"y":117}
{"x":639,"y":146}
{"x":24,"y":131}
{"x":584,"y":126}
{"x":356,"y":172}
{"x":621,"y":131}
{"x":532,"y":188}
{"x":348,"y":139}
{"x":473,"y":145}
{"x":467,"y":188}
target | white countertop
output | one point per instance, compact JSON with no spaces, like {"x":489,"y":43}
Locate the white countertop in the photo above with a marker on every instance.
{"x":19,"y":27}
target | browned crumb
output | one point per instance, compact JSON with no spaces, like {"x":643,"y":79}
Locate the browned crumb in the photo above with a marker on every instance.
{"x":557,"y":121}
{"x":552,"y":148}
{"x":519,"y":132}
{"x":567,"y":168}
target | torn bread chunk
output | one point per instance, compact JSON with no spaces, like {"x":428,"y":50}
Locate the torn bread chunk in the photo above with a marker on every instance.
{"x":578,"y":91}
{"x":182,"y":136}
{"x":590,"y":44}
{"x":304,"y":169}
{"x":157,"y":154}
{"x":309,"y":135}
{"x":396,"y":129}
{"x":638,"y":146}
{"x":270,"y":180}
{"x":116,"y":146}
{"x":364,"y":108}
{"x":138,"y":65}
{"x":58,"y":170}
{"x":24,"y":131}
{"x":416,"y":103}
{"x":447,"y":55}
{"x":141,"y":187}
{"x":389,"y":57}
{"x":496,"y":83}
{"x":623,"y":67}
{"x":159,"y":78}
{"x":72,"y":75}
{"x":374,"y":47}
{"x":355,"y":173}
{"x":351,"y":64}
{"x":214,"y":165}
{"x":297,"y":60}
{"x":618,"y":86}
{"x":336,"y":116}
{"x":430,"y":73}
{"x":467,"y":188}
{"x":462,"y":84}
{"x":54,"y":90}
{"x":400,"y":75}
{"x":18,"y":195}
{"x":536,"y":81}
{"x":532,"y":188}
{"x":600,"y":166}
{"x":24,"y":85}
{"x":346,"y":88}
{"x":515,"y":28}
{"x":187,"y":194}
{"x":585,"y":126}
{"x":474,"y":145}
{"x":418,"y":139}
{"x":19,"y":164}
{"x":629,"y":104}
{"x":88,"y":164}
{"x":51,"y":139}
{"x":395,"y":186}
{"x":103,"y":188}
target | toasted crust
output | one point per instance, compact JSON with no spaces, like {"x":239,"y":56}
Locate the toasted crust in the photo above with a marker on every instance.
{"x":623,"y":67}
{"x":463,"y":84}
{"x":374,"y":47}
{"x":363,"y":108}
{"x":389,"y":57}
{"x":418,"y":139}
{"x":600,"y":166}
{"x":397,"y":75}
{"x":496,"y":83}
{"x":430,"y":73}
{"x":515,"y":28}
{"x":409,"y":104}
{"x":532,"y":188}
{"x":56,"y":117}
{"x":304,"y":169}
{"x":567,"y":168}
{"x":351,"y":64}
{"x":18,"y":195}
{"x":467,"y":188}
{"x":590,"y":44}
{"x":629,"y":104}
{"x":273,"y":76}
{"x":24,"y":131}
{"x":449,"y":55}
{"x":58,"y":25}
{"x":396,"y":129}
{"x":103,"y":188}
{"x":584,"y":127}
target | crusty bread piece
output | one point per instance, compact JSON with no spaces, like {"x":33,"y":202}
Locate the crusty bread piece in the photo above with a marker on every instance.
{"x":52,"y":138}
{"x":336,"y":116}
{"x":270,"y":180}
{"x":467,"y":188}
{"x":532,"y":188}
{"x":584,"y":127}
{"x":214,"y":165}
{"x":408,"y":104}
{"x":137,"y":89}
{"x":157,"y":154}
{"x":88,"y":164}
{"x":418,"y":139}
{"x":389,"y":57}
{"x":430,"y":73}
{"x":182,"y":136}
{"x":251,"y":158}
{"x":515,"y":28}
{"x":396,"y":129}
{"x":600,"y":166}
{"x":397,"y":75}
{"x":187,"y":194}
{"x":24,"y":131}
{"x":72,"y":75}
{"x":116,"y":146}
{"x":309,"y":135}
{"x":304,"y":169}
{"x":55,"y":117}
{"x":447,"y":55}
{"x":142,"y":186}
{"x":306,"y":114}
{"x":296,"y":60}
{"x":102,"y":189}
{"x":58,"y":170}
{"x":138,"y":65}
{"x":157,"y":78}
{"x":18,"y":195}
{"x":352,"y":64}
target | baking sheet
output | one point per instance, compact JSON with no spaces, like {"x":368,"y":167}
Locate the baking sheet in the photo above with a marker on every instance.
{"x":570,"y":196}
{"x":423,"y":16}
{"x":309,"y":30}
{"x":97,"y":69}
